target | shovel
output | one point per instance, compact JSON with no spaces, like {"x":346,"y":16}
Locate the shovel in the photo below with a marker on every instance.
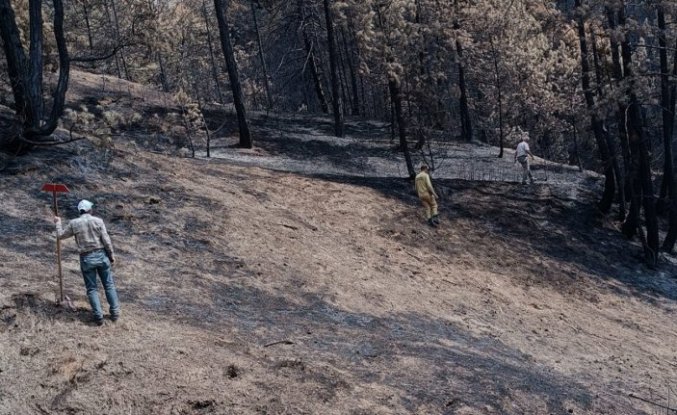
{"x":58,"y":188}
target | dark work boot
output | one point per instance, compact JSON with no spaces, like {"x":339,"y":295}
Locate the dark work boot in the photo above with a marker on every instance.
{"x":432,"y":223}
{"x":436,"y":219}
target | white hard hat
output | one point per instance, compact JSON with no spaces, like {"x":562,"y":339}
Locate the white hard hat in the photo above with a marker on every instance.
{"x":85,"y":205}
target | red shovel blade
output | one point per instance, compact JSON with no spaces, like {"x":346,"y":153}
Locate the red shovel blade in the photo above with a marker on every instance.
{"x":56,"y":188}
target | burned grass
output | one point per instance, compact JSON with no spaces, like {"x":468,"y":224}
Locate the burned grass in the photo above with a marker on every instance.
{"x":250,"y":291}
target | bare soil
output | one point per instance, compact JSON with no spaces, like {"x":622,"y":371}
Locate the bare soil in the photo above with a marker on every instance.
{"x":258,"y":291}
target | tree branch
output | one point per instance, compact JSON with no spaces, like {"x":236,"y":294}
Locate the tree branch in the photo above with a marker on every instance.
{"x":50,"y":143}
{"x":99,"y":58}
{"x":667,"y":408}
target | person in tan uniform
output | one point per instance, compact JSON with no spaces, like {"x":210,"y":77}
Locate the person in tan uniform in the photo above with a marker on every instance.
{"x":96,"y":257}
{"x":426,"y":192}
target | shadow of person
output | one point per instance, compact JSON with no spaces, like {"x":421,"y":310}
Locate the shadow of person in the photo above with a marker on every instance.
{"x":46,"y":309}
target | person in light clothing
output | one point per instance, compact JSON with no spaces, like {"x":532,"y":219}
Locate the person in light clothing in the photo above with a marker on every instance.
{"x":96,"y":257}
{"x":426,"y":192}
{"x":522,"y":154}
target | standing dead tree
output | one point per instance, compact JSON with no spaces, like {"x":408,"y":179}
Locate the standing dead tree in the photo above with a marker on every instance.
{"x":34,"y":123}
{"x":229,"y":54}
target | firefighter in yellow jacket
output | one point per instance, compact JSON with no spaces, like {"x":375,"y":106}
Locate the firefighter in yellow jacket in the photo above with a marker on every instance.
{"x":426,"y":193}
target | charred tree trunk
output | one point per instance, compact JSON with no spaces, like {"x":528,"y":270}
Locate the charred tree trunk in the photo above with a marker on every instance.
{"x":316,"y":75}
{"x":604,"y":204}
{"x":262,"y":58}
{"x":337,"y":103}
{"x":35,"y":59}
{"x":499,"y":92}
{"x":343,"y":79}
{"x":212,"y":60}
{"x":163,"y":75}
{"x":667,"y":116}
{"x":639,"y":150}
{"x":394,"y":88}
{"x":311,"y":63}
{"x":116,"y":22}
{"x":231,"y":65}
{"x":25,"y":76}
{"x":85,"y":11}
{"x":668,"y":104}
{"x":671,"y":237}
{"x":466,"y":125}
{"x":617,"y":174}
{"x":577,"y":157}
{"x":620,"y":113}
{"x":353,"y":78}
{"x":109,"y":18}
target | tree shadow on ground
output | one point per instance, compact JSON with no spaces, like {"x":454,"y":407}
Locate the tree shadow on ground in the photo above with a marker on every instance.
{"x":451,"y":367}
{"x":532,"y":221}
{"x":307,"y":138}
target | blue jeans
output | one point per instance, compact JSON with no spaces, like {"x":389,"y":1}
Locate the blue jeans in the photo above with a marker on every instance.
{"x":91,"y":264}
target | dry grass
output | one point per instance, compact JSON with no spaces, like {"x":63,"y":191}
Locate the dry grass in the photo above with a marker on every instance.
{"x":247,"y":291}
{"x":379,"y":313}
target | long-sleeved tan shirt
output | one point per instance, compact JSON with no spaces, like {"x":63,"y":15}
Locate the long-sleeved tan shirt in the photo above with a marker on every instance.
{"x":423,"y":185}
{"x":90,"y":234}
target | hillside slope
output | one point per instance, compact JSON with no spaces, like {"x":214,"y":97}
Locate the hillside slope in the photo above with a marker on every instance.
{"x":255,"y":291}
{"x":495,"y":312}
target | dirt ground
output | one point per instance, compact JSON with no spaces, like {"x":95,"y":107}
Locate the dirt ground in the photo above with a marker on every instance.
{"x":254,"y":291}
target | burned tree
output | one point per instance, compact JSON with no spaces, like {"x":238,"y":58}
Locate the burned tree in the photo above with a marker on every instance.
{"x":34,"y":123}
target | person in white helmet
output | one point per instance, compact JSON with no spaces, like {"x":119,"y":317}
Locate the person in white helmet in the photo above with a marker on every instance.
{"x":96,"y":257}
{"x":522,"y":154}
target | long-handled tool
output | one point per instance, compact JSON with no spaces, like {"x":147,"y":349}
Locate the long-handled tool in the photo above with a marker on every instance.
{"x":58,"y":188}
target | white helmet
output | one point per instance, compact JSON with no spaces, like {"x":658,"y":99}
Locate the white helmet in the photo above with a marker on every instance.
{"x":85,"y":205}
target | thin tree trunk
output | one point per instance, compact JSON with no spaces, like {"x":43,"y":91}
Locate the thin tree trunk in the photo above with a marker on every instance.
{"x":353,"y":78}
{"x":163,"y":74}
{"x":59,"y":94}
{"x":312,"y":63}
{"x":604,"y":204}
{"x":116,"y":57}
{"x":671,"y":237}
{"x":333,"y":64}
{"x":668,"y":180}
{"x":316,"y":75}
{"x":231,"y":65}
{"x":500,"y":98}
{"x":640,"y":153}
{"x":620,"y":186}
{"x":117,"y":38}
{"x":264,"y":68}
{"x":620,"y":113}
{"x":89,"y":27}
{"x":668,"y":105}
{"x":364,"y":108}
{"x":342,"y":78}
{"x":576,"y":151}
{"x":466,"y":125}
{"x":388,"y":97}
{"x":394,"y":88}
{"x":35,"y":59}
{"x":212,"y":59}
